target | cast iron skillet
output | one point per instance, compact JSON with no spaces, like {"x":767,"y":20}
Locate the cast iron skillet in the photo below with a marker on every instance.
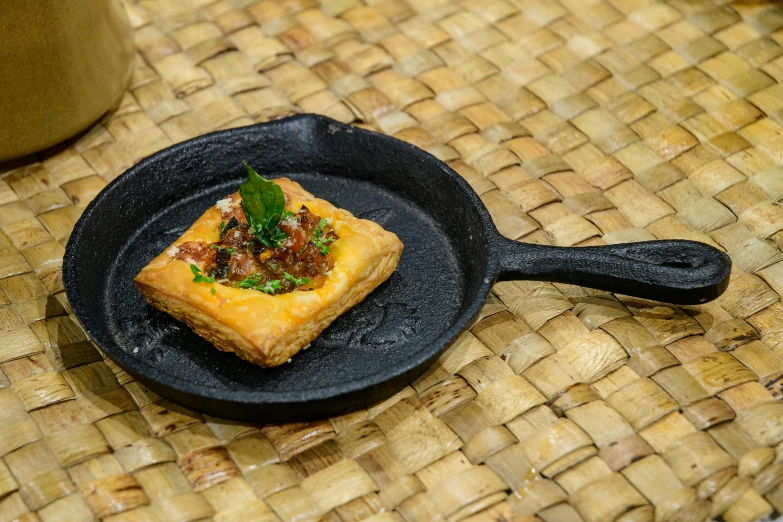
{"x":453,"y":254}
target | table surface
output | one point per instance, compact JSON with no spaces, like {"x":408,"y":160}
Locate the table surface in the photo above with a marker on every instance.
{"x":579,"y":123}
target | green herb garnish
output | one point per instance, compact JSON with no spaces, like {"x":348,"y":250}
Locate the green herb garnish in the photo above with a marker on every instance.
{"x":249,"y":282}
{"x":213,"y":291}
{"x":264,"y":205}
{"x":319,"y":239}
{"x":298,"y":281}
{"x":270,"y":286}
{"x":224,"y":249}
{"x":254,"y":283}
{"x":221,"y":227}
{"x":199,"y":277}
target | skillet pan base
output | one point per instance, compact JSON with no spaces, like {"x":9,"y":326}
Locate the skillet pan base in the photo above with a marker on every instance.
{"x":369,"y":353}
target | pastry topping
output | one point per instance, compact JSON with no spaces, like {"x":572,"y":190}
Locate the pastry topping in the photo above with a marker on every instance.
{"x":262,"y":246}
{"x":172,"y":251}
{"x":239,"y":258}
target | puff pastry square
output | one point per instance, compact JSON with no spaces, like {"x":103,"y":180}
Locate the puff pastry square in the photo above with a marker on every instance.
{"x":265,"y":329}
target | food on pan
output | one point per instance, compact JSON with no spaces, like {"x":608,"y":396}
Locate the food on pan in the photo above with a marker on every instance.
{"x":264,"y":271}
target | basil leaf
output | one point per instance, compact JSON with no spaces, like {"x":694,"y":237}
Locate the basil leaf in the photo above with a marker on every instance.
{"x":264,"y":204}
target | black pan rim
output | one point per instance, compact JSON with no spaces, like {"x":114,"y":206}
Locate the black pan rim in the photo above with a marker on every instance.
{"x":145,"y":372}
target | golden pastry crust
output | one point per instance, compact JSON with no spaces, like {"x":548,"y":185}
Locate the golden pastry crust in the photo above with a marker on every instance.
{"x":268,"y":329}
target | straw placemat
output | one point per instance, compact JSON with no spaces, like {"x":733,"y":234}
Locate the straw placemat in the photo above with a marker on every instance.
{"x":579,"y":123}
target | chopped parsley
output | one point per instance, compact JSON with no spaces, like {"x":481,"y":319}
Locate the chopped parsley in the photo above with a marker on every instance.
{"x":319,"y":239}
{"x":223,"y":249}
{"x":221,"y":227}
{"x":270,"y":286}
{"x":264,"y":205}
{"x":199,"y":277}
{"x":298,"y":281}
{"x":249,"y":282}
{"x":254,"y":283}
{"x":213,"y":291}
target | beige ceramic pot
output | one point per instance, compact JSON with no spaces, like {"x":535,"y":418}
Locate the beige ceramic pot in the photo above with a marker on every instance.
{"x":63,"y":63}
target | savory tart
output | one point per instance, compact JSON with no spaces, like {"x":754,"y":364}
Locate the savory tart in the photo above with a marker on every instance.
{"x":264,"y":271}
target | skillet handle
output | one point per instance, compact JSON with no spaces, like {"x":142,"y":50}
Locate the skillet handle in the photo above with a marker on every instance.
{"x":677,"y":271}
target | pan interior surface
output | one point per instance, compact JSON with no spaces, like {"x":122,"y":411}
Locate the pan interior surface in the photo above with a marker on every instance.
{"x":400,"y":318}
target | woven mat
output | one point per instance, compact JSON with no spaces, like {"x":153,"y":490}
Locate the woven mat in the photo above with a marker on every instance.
{"x":579,"y":123}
